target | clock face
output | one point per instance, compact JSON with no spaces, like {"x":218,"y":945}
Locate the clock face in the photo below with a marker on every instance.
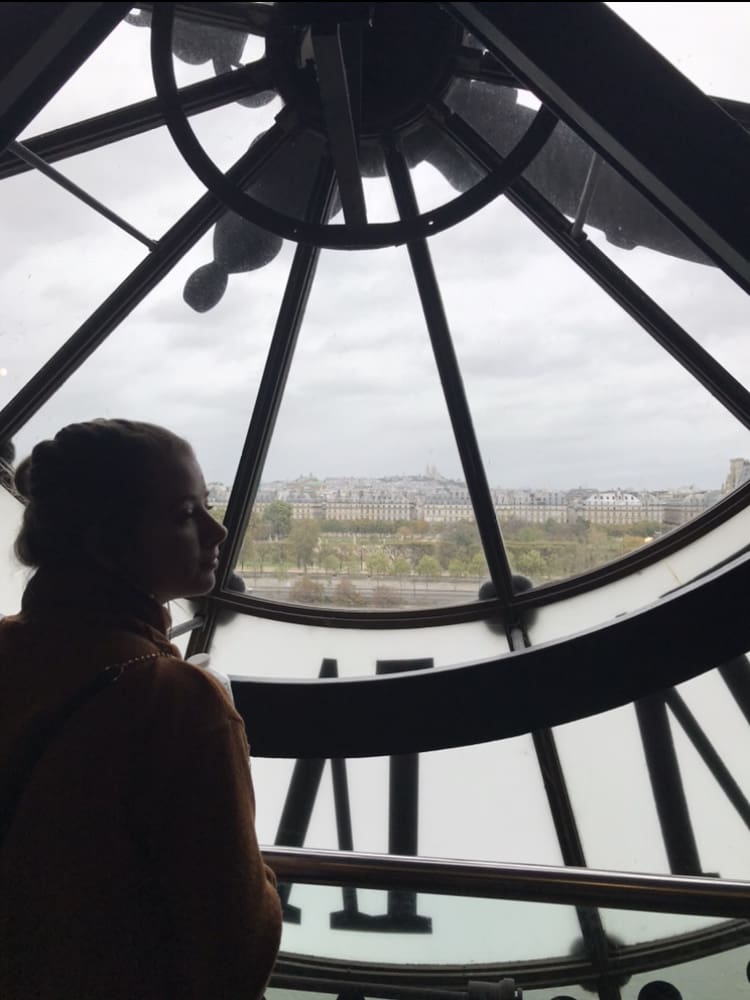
{"x":456,"y":327}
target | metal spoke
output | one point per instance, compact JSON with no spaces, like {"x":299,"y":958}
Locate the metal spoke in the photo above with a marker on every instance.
{"x":268,"y":401}
{"x":483,"y":67}
{"x":708,"y":754}
{"x":170,"y":250}
{"x":339,"y":121}
{"x":708,"y":200}
{"x":24,"y":154}
{"x":453,"y":388}
{"x":658,"y":323}
{"x":122,"y":123}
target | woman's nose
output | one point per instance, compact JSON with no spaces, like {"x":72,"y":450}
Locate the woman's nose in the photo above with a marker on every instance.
{"x":215,"y":530}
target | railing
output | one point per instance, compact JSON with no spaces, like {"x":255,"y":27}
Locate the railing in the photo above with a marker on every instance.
{"x":532,"y":883}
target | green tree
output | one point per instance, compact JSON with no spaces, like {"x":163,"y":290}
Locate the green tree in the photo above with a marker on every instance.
{"x":258,"y":527}
{"x":302,"y":541}
{"x":458,"y":567}
{"x":247,"y":552}
{"x":428,"y":566}
{"x":330,"y":562}
{"x":532,"y":564}
{"x":278,"y":516}
{"x":478,"y":564}
{"x":401,"y":567}
{"x":378,"y":563}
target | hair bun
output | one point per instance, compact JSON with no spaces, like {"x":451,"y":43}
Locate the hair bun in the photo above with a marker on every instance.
{"x":44,"y":475}
{"x":22,"y":479}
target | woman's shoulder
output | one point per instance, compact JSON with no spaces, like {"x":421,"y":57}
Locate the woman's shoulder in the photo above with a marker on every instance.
{"x":180,"y":689}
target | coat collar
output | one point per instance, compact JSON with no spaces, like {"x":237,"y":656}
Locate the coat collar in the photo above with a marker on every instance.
{"x":72,"y":590}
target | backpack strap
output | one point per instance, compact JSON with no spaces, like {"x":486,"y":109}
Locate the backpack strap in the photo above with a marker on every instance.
{"x":49,"y":733}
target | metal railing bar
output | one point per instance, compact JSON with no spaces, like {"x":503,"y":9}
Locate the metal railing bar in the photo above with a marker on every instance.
{"x":531,"y":883}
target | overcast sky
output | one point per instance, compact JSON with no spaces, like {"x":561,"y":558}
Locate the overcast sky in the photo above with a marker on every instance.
{"x":564,"y":389}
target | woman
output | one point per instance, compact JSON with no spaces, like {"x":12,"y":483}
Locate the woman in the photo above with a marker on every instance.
{"x":130,"y":866}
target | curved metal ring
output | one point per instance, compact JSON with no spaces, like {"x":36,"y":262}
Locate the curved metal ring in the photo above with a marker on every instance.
{"x":369,"y":236}
{"x":605,"y":667}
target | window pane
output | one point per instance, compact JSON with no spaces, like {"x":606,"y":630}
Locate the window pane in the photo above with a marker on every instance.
{"x":58,"y":260}
{"x":585,"y":424}
{"x":174,"y":366}
{"x":463,"y":930}
{"x":605,"y":603}
{"x":116,"y":74}
{"x":363,"y":501}
{"x":706,"y":41}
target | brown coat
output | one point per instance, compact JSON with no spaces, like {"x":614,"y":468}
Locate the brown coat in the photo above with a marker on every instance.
{"x":131,"y":870}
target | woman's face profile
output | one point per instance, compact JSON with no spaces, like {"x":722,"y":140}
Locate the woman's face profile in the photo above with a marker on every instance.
{"x":175,"y":548}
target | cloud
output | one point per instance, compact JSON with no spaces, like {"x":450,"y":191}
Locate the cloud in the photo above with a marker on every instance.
{"x":563,"y":387}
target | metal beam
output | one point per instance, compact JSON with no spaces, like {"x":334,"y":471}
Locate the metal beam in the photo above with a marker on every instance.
{"x":453,"y":388}
{"x":142,"y":116}
{"x":27,"y":156}
{"x":267,"y":404}
{"x":515,"y":693}
{"x":636,"y":109}
{"x":169,"y":251}
{"x":695,"y":359}
{"x":532,"y":883}
{"x":41,"y":47}
{"x":666,"y":783}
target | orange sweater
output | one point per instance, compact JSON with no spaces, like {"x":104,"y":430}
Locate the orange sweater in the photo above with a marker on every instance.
{"x":131,"y":870}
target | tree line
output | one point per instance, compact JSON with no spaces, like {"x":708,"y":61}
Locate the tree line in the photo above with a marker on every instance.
{"x":278,"y":544}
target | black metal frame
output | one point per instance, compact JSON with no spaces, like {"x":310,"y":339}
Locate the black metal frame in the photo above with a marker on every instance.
{"x":517,"y":693}
{"x":268,"y":400}
{"x":666,"y":782}
{"x":354,"y":236}
{"x":42,"y":48}
{"x":452,"y":383}
{"x":146,"y":275}
{"x":705,"y":748}
{"x":140,"y":117}
{"x":667,"y":149}
{"x":573,"y":886}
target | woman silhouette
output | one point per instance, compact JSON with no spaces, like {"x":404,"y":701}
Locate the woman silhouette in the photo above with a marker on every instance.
{"x":129,"y":865}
